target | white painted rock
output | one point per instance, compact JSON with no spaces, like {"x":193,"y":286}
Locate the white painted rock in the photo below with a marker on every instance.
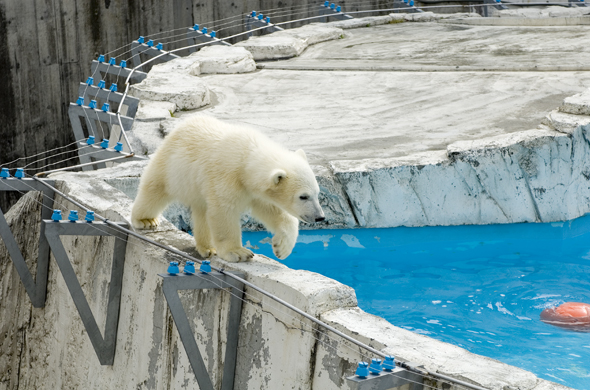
{"x":186,"y":91}
{"x":565,"y":123}
{"x":363,"y":22}
{"x":149,"y":111}
{"x":224,"y":59}
{"x":420,"y":17}
{"x":188,"y":65}
{"x":288,"y":43}
{"x":272,"y":47}
{"x":314,"y":33}
{"x":578,"y":104}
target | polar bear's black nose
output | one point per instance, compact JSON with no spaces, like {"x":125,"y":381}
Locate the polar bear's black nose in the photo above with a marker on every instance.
{"x":320,"y":219}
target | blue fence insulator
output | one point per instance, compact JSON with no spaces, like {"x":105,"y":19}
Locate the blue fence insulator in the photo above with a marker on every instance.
{"x":105,"y":143}
{"x":389,"y":363}
{"x":150,"y":43}
{"x":362,"y":371}
{"x":73,"y":217}
{"x":338,"y":9}
{"x":375,"y":367}
{"x":102,"y":84}
{"x":141,"y":39}
{"x":196,"y":27}
{"x":260,"y":16}
{"x":113,"y":87}
{"x":253,"y":14}
{"x":268,"y":19}
{"x":159,"y":46}
{"x":205,"y":267}
{"x":5,"y":174}
{"x":56,"y":216}
{"x":213,"y":34}
{"x":101,"y":58}
{"x":80,"y":100}
{"x":123,"y":64}
{"x":106,"y":107}
{"x":326,"y":4}
{"x":119,"y":147}
{"x":92,"y":104}
{"x":189,"y":267}
{"x":112,"y":61}
{"x":173,"y":268}
{"x":332,"y":6}
{"x":20,"y":173}
{"x":411,"y":3}
{"x":204,"y":30}
{"x":90,"y":140}
{"x":90,"y":81}
{"x":89,"y":216}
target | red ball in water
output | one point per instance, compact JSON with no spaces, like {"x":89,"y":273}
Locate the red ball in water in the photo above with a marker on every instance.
{"x":571,"y":315}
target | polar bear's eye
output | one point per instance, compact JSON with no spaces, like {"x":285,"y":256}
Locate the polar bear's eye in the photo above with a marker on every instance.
{"x":304,"y":197}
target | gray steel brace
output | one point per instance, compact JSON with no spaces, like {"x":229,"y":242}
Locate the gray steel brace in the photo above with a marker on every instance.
{"x":331,"y":12}
{"x":87,"y":155}
{"x":171,"y":285}
{"x":491,"y":3}
{"x":36,"y":288}
{"x":253,"y":22}
{"x":142,"y":48}
{"x":88,"y":91}
{"x":405,"y":7}
{"x":195,"y":36}
{"x":116,"y":70}
{"x":387,"y":380}
{"x":104,"y":347}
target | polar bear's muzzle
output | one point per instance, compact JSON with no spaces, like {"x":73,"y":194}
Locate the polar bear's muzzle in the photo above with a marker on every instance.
{"x":315,"y":214}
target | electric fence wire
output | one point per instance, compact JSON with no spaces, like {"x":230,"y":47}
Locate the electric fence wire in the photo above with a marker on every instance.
{"x":38,"y":154}
{"x":255,"y":301}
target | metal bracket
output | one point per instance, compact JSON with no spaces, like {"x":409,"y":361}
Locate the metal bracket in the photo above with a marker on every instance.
{"x":137,"y":49}
{"x":213,"y":280}
{"x":36,"y":288}
{"x":387,"y":380}
{"x":116,"y":70}
{"x":195,"y":36}
{"x":104,"y":347}
{"x":405,"y":7}
{"x":105,"y":95}
{"x":491,"y":3}
{"x":253,"y":22}
{"x":91,"y":116}
{"x":332,"y":12}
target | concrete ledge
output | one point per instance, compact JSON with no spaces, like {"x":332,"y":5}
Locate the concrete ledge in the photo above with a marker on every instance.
{"x":522,"y":22}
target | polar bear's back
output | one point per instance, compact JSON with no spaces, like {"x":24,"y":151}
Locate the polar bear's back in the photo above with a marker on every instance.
{"x":202,"y":150}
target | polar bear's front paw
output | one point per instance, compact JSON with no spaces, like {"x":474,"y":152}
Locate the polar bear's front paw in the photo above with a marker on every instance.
{"x":149,"y":223}
{"x":237,"y":255}
{"x":206,"y":252}
{"x":283,"y":244}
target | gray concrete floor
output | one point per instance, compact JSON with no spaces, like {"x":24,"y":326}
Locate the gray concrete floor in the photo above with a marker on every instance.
{"x":400,"y":89}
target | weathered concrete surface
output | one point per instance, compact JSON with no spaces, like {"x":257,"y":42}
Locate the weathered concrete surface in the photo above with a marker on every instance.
{"x":48,"y":348}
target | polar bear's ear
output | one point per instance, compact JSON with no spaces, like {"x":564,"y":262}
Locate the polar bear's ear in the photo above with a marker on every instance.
{"x":277,"y":175}
{"x":301,"y":153}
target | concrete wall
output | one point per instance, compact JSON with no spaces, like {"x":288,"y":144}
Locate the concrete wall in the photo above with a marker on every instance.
{"x":48,"y":348}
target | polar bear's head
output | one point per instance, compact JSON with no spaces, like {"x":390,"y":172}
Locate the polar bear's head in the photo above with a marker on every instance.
{"x":295,"y":189}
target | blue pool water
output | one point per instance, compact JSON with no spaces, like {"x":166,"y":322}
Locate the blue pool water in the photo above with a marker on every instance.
{"x":478,"y":287}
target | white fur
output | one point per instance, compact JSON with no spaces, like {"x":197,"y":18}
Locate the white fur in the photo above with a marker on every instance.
{"x":221,"y":170}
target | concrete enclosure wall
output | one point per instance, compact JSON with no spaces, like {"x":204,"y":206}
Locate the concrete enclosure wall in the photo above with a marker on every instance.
{"x":48,"y":348}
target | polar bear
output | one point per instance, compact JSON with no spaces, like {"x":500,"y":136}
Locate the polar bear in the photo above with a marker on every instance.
{"x":220,"y":171}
